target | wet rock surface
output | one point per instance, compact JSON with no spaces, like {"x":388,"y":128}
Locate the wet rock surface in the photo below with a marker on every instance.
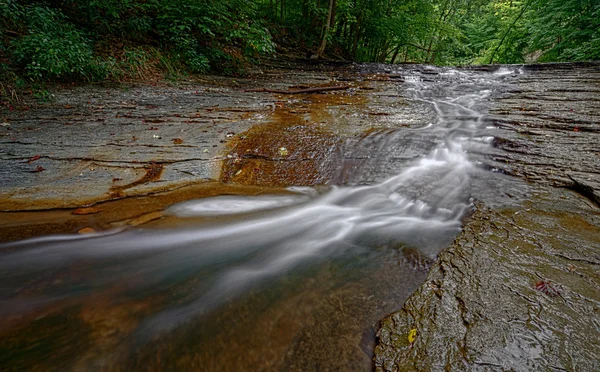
{"x":549,"y":127}
{"x":518,"y":289}
{"x":91,"y":144}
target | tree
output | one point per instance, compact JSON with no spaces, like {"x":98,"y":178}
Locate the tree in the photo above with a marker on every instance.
{"x":328,"y":22}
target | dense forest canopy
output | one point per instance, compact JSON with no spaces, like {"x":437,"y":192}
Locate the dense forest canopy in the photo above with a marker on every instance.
{"x":117,"y":39}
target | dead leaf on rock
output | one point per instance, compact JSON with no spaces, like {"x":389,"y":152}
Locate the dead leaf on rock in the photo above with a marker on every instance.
{"x":33,"y":159}
{"x":88,"y":210}
{"x":412,"y":335}
{"x":547,"y":287}
{"x":283,"y":151}
{"x":86,"y":230}
{"x":177,"y":141}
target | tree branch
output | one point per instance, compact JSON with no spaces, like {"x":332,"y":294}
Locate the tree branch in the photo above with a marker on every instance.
{"x":508,"y":31}
{"x":300,"y":91}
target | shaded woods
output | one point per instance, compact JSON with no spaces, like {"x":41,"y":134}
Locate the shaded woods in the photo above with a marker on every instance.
{"x":132,"y":39}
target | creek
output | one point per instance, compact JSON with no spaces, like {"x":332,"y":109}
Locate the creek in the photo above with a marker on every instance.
{"x":293,"y":281}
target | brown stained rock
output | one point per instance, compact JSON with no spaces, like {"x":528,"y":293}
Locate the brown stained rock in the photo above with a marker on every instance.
{"x":115,"y":213}
{"x":294,"y":148}
{"x":281,"y":155}
{"x":153,"y":172}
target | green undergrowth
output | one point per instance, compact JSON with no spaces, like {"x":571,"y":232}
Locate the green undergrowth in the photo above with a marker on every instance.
{"x":47,"y":41}
{"x":120,"y":41}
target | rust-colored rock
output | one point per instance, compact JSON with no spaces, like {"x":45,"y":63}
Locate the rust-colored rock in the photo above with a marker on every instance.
{"x":88,"y":210}
{"x":145,"y":218}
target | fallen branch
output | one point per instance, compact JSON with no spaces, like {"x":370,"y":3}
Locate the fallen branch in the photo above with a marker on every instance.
{"x":11,"y":33}
{"x":300,"y":91}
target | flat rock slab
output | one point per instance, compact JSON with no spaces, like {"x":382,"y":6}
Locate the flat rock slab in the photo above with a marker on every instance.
{"x":93,"y":141}
{"x":549,"y":126}
{"x":518,"y":290}
{"x":91,"y":144}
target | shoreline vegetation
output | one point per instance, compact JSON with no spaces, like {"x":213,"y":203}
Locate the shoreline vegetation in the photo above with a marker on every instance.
{"x":152,"y":40}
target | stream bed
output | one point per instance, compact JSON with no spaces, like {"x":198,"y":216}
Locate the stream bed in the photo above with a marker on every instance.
{"x":325,"y":217}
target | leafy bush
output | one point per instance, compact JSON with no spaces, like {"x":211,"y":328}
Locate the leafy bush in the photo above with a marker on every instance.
{"x":186,"y":48}
{"x":96,"y":39}
{"x":11,"y":13}
{"x":54,"y":49}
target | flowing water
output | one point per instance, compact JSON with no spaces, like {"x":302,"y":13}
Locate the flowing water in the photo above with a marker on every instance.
{"x":292,"y":282}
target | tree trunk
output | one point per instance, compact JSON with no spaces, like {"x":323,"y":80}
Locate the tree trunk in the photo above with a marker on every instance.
{"x":356,"y":36}
{"x":326,"y":28}
{"x":340,"y":29}
{"x":395,"y":54}
{"x":304,"y":9}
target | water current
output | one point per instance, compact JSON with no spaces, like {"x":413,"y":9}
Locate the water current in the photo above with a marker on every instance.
{"x":292,"y":282}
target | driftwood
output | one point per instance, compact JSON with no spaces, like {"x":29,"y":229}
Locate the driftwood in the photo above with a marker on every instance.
{"x":300,"y":91}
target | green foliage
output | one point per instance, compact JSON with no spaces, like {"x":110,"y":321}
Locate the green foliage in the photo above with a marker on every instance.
{"x":508,"y":31}
{"x":95,"y":39}
{"x":445,"y":31}
{"x":565,"y":30}
{"x":140,"y":39}
{"x":11,"y":13}
{"x":209,"y":34}
{"x":53,"y":48}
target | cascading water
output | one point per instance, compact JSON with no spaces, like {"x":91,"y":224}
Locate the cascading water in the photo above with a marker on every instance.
{"x":419,"y":207}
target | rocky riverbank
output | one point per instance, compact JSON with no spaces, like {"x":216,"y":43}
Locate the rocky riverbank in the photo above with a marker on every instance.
{"x":518,"y":289}
{"x":93,"y":144}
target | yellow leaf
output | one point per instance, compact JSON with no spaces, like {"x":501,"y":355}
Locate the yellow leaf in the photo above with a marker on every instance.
{"x":283,"y":151}
{"x":412,"y":335}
